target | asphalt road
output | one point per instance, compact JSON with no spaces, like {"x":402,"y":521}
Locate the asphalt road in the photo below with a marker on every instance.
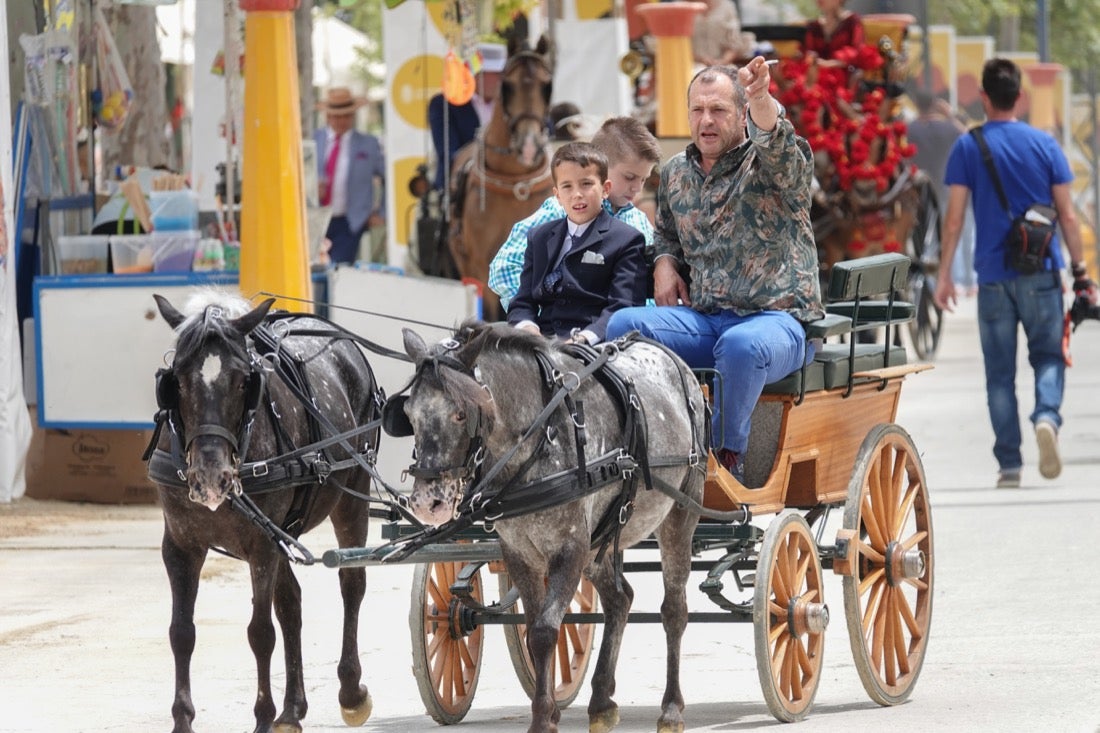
{"x":1014,"y":646}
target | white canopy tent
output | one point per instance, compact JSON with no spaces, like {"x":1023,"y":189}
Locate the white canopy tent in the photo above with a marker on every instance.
{"x":15,"y":425}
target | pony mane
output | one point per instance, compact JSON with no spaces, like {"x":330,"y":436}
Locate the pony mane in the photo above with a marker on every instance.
{"x":209,"y":314}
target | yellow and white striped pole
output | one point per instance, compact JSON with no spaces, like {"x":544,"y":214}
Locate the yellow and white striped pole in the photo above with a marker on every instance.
{"x":274,"y":249}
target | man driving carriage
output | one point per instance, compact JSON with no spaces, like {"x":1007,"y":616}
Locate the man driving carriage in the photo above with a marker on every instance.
{"x":734,"y":207}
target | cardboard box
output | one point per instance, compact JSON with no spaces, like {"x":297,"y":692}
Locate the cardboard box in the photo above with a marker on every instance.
{"x":102,"y":466}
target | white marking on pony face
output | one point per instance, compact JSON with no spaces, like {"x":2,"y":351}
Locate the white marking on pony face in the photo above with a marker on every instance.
{"x":211,"y":368}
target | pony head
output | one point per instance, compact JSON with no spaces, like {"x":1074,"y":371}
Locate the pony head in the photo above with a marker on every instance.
{"x":452,"y":415}
{"x":213,"y":385}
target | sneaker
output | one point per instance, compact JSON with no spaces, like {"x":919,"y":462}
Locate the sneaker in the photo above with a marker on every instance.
{"x":732,"y":462}
{"x":1008,"y":478}
{"x":1050,"y":462}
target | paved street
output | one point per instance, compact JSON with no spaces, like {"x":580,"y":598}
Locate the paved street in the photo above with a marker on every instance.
{"x":1014,"y":646}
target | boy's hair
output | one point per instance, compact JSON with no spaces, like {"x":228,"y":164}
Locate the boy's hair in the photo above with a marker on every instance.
{"x":1001,"y":83}
{"x":625,"y":138}
{"x":583,"y":154}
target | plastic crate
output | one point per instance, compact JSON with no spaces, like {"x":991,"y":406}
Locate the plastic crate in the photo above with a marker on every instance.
{"x":131,"y":253}
{"x":174,"y":251}
{"x":82,"y":254}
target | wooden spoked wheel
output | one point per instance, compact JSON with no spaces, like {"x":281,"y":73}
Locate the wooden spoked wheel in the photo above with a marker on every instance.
{"x":789,"y":618}
{"x":446,"y":657}
{"x":886,"y":543}
{"x":573,"y":651}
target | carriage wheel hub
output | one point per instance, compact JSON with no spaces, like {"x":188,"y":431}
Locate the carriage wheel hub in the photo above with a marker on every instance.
{"x":805,"y":617}
{"x":903,"y":565}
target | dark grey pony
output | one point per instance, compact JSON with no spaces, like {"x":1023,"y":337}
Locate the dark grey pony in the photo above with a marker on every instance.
{"x":210,"y":395}
{"x":472,"y":400}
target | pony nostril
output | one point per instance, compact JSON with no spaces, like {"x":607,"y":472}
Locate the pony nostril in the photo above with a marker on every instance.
{"x":226,"y":481}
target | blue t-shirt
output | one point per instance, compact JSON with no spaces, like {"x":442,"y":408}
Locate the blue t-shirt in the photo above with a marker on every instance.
{"x":1029,"y":163}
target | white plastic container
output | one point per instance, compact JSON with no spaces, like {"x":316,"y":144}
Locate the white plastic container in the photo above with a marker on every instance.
{"x":174,"y":251}
{"x":82,"y":254}
{"x":174,"y":211}
{"x":131,"y":253}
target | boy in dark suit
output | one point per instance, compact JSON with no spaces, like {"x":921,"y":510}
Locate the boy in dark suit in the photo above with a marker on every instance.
{"x":580,"y":269}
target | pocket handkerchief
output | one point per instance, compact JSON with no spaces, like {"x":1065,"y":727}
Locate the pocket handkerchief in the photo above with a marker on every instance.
{"x":592,"y":258}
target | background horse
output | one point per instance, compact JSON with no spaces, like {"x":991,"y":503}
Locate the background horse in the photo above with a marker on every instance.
{"x":504,"y":175}
{"x":219,"y":411}
{"x":471,"y":400}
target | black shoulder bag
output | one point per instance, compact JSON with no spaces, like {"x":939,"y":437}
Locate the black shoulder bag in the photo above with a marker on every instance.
{"x":1027,"y":245}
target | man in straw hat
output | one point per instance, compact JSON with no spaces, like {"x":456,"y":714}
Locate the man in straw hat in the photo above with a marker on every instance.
{"x":454,"y":125}
{"x":347,"y":163}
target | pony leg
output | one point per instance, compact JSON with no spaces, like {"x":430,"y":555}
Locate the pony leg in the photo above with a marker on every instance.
{"x":603,"y":712}
{"x":183,"y":569}
{"x":351,"y":531}
{"x":261,"y":637}
{"x":674,"y":539}
{"x":544,"y":606}
{"x":288,"y":610}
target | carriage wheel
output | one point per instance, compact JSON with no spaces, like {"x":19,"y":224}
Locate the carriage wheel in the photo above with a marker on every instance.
{"x":446,"y":656}
{"x":924,"y":249}
{"x":572,"y":653}
{"x":885,"y":553}
{"x":789,"y":618}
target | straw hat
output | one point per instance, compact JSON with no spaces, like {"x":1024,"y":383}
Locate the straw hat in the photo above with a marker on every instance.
{"x":340,"y":100}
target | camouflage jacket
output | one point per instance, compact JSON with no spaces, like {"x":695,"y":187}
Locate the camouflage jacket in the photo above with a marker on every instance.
{"x":744,"y":230}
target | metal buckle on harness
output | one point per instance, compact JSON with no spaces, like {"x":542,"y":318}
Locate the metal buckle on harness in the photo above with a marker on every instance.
{"x":625,"y":511}
{"x":563,"y":377}
{"x":260,"y":469}
{"x":626,"y":463}
{"x":693,"y":458}
{"x":323,"y":469}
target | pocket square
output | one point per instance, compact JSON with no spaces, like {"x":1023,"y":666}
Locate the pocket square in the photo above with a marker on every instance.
{"x":592,"y":258}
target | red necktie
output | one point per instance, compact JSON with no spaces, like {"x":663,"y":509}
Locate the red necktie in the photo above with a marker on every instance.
{"x":330,"y":172}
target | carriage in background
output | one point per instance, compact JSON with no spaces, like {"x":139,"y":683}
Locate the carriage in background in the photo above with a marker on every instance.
{"x":870,"y":198}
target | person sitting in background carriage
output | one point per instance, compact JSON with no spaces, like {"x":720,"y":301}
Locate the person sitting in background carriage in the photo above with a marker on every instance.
{"x":455,"y":125}
{"x":834,"y":29}
{"x":582,"y":267}
{"x":632,"y":151}
{"x":735,"y":209}
{"x":717,"y":38}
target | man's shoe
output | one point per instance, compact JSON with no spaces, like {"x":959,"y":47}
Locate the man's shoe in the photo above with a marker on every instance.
{"x":1050,"y":462}
{"x":1008,"y":478}
{"x":732,"y":462}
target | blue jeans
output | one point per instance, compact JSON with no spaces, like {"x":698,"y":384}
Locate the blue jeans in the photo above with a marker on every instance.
{"x":1035,"y":302}
{"x":747,"y":351}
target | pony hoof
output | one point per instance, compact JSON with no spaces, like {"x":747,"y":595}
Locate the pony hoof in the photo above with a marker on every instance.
{"x":358,"y":715}
{"x":666,"y":727}
{"x":287,"y":728}
{"x":603,"y":722}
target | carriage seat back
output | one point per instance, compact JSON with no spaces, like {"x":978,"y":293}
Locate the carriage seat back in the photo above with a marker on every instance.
{"x":852,"y":285}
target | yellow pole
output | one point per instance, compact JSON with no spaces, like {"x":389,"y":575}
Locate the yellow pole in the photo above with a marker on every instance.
{"x":672,"y":24}
{"x":274,"y":250}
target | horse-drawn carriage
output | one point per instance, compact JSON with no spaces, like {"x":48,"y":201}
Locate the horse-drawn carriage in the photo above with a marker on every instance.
{"x":493,"y":464}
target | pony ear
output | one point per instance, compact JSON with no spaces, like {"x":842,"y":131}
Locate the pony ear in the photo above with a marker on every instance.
{"x":246,"y":323}
{"x":474,"y":337}
{"x":168,"y":312}
{"x":414,"y":345}
{"x":545,"y":48}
